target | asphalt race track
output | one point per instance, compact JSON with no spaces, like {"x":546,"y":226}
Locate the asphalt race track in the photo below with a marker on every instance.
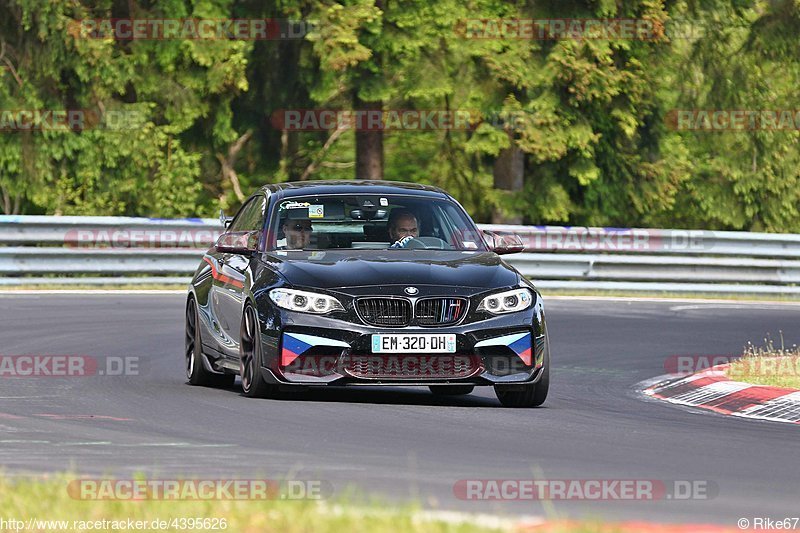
{"x":404,"y":443}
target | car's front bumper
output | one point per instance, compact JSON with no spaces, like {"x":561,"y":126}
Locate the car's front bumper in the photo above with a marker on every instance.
{"x":307,"y":350}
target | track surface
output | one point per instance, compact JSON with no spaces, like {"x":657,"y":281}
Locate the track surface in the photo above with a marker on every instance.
{"x":404,"y":443}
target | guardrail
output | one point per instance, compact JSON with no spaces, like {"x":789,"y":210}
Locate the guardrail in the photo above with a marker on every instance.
{"x":102,"y":250}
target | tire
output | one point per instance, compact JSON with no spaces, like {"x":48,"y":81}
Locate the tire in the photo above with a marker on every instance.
{"x":532,"y":395}
{"x":196,"y":372}
{"x":451,"y":390}
{"x":253,"y":384}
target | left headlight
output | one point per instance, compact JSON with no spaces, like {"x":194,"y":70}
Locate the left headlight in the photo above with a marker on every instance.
{"x":305,"y":302}
{"x":507,"y":302}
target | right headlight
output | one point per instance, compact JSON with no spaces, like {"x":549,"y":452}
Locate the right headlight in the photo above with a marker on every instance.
{"x":507,"y":302}
{"x":304,"y":301}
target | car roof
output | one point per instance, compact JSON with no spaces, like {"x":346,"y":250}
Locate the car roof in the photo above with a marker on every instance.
{"x":305,"y":188}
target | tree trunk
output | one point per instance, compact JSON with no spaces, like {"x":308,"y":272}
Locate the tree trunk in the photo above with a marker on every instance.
{"x":509,"y":174}
{"x":6,"y":202}
{"x":228,"y":164}
{"x":369,"y":141}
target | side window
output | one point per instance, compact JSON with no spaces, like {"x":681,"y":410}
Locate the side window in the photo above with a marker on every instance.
{"x":251,"y":216}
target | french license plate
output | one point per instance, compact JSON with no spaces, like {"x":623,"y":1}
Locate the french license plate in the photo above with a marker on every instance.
{"x":411,"y":343}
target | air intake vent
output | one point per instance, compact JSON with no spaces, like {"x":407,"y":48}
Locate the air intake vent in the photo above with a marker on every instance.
{"x":394,"y":312}
{"x":440,"y":311}
{"x":418,"y":367}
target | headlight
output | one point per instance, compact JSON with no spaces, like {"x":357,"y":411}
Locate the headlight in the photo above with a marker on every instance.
{"x":507,"y":302}
{"x":305,"y":302}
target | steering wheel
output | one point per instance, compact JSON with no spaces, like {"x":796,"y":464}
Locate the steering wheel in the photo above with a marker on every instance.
{"x":426,"y":243}
{"x":435,"y":243}
{"x":415,"y":244}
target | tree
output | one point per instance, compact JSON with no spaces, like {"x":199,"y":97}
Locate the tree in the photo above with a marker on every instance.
{"x":173,"y":98}
{"x":746,"y":178}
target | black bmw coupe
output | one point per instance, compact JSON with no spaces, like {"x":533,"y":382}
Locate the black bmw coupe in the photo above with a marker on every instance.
{"x":364,"y":283}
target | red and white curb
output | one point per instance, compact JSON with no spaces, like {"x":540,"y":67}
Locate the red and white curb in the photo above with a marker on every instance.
{"x":713,"y":390}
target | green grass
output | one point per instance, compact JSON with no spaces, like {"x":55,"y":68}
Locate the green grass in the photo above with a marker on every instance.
{"x":23,"y":498}
{"x":768,"y":365}
{"x":46,"y":498}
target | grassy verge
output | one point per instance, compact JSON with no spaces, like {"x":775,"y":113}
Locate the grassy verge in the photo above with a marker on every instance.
{"x":768,"y":365}
{"x":46,"y":502}
{"x":48,"y":499}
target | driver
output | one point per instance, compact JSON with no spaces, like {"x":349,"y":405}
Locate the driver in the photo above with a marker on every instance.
{"x":403,"y":227}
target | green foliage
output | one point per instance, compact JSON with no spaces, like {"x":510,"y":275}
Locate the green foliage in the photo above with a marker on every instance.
{"x":743,"y":179}
{"x":175,"y":96}
{"x":591,"y":116}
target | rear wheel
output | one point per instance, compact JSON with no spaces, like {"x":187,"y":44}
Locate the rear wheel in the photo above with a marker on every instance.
{"x":532,"y":395}
{"x":196,"y":373}
{"x":451,"y":390}
{"x":253,"y":384}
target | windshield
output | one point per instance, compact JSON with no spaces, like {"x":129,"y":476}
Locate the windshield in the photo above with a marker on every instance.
{"x":377,"y":222}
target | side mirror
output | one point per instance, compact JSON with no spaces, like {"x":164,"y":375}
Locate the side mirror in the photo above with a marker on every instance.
{"x":225,"y":221}
{"x":503,"y":243}
{"x":238,"y":242}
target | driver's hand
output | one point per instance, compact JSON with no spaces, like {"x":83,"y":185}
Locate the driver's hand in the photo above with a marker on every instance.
{"x":402,"y":242}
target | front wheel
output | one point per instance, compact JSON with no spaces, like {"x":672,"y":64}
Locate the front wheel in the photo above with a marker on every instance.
{"x":532,"y":395}
{"x":253,"y":384}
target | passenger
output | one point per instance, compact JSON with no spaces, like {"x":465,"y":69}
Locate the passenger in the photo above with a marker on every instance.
{"x":298,"y":233}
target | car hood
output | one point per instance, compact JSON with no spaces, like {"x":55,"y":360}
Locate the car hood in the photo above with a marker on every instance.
{"x":337,"y":269}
